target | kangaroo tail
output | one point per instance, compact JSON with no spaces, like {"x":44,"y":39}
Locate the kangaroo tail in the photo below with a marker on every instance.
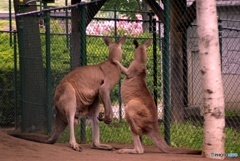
{"x":159,"y":141}
{"x":58,"y":128}
{"x":30,"y":136}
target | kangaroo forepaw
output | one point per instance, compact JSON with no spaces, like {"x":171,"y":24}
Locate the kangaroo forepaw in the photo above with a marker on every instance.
{"x":107,"y":120}
{"x":115,"y":61}
{"x":101,"y":116}
{"x":76,"y":147}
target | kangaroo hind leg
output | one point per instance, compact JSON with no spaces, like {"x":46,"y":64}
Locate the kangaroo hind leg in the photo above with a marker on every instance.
{"x":135,"y":123}
{"x":66,"y":104}
{"x":93,"y":114}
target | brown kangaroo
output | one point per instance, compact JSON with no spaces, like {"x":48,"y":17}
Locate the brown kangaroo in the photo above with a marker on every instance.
{"x":140,"y":109}
{"x":77,"y":95}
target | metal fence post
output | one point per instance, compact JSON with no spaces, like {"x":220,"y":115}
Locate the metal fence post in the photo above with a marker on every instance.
{"x":155,"y":92}
{"x":10,"y":20}
{"x":48,"y":70}
{"x":166,"y":70}
{"x":22,"y":67}
{"x":152,"y":29}
{"x":83,"y":58}
{"x":67,"y":23}
{"x":115,"y":22}
{"x":15,"y":80}
{"x":119,"y":82}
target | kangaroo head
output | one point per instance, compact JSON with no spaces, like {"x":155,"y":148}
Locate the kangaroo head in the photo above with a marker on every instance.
{"x":115,"y":50}
{"x":140,"y":53}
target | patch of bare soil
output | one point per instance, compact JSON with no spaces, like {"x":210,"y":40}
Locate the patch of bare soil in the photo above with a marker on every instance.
{"x":14,"y":149}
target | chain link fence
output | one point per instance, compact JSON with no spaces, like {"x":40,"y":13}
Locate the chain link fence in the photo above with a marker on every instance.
{"x":56,"y":40}
{"x":51,"y":58}
{"x":185,"y":55}
{"x":8,"y":79}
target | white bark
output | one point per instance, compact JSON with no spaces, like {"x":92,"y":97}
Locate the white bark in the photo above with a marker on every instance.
{"x":214,"y":137}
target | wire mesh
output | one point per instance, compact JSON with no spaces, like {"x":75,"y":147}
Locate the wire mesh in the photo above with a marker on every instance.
{"x":60,"y":48}
{"x":7,"y":81}
{"x":228,"y":22}
{"x":186,"y":128}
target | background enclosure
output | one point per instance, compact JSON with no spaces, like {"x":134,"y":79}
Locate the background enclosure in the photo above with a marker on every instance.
{"x":51,"y":56}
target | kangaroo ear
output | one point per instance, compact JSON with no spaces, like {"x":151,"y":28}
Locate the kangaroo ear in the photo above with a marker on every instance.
{"x":122,"y":40}
{"x":107,"y":41}
{"x":135,"y":42}
{"x":148,"y":42}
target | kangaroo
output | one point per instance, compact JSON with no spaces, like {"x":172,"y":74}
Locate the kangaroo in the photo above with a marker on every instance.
{"x":78,"y":95}
{"x":140,"y":109}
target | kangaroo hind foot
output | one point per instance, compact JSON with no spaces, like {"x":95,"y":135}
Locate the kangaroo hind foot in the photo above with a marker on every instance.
{"x":138,"y":148}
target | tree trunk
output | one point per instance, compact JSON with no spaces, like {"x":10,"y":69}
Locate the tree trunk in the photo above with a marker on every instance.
{"x":214,"y":117}
{"x":33,"y":80}
{"x":178,"y":62}
{"x":145,"y":16}
{"x":75,"y":36}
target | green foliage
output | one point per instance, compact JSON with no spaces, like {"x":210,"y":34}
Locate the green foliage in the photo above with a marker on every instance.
{"x":97,"y":51}
{"x":6,"y":80}
{"x":3,"y":24}
{"x":126,"y":5}
{"x":232,"y":138}
{"x":6,"y":53}
{"x":232,"y":113}
{"x":6,"y":93}
{"x":187,"y":135}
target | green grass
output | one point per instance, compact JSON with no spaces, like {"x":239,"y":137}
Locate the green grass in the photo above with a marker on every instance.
{"x":4,"y":24}
{"x":232,"y":113}
{"x":184,"y":135}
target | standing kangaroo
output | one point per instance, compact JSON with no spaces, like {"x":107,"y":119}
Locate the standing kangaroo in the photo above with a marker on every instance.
{"x":77,"y":95}
{"x":140,"y":109}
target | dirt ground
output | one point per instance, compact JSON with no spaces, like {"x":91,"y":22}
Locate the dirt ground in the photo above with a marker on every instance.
{"x":14,"y":149}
